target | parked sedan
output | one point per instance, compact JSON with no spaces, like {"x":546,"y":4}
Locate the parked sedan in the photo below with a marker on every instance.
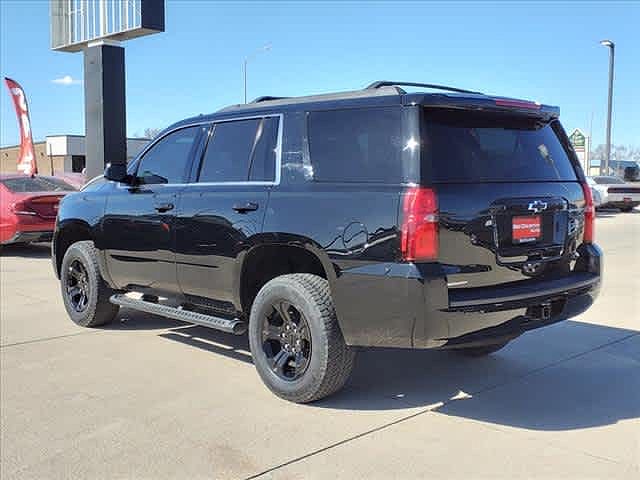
{"x":615,"y":192}
{"x":28,"y":207}
{"x":595,"y":193}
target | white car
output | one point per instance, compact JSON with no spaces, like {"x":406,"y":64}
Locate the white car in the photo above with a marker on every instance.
{"x":615,"y":192}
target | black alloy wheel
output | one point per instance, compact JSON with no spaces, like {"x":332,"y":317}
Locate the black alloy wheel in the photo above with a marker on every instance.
{"x":286,"y":340}
{"x":77,"y":286}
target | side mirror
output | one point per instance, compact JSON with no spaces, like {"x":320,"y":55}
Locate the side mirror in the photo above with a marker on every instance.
{"x":116,"y":172}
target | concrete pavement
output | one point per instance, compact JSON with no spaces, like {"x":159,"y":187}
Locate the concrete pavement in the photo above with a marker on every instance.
{"x":152,"y":398}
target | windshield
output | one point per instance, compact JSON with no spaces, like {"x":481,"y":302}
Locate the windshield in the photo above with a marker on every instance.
{"x":466,"y":146}
{"x":608,"y":180}
{"x":36,"y":184}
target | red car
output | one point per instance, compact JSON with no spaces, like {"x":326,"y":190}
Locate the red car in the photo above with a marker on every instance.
{"x":28,"y":207}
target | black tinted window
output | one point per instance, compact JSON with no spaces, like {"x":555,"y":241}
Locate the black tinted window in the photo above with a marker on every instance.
{"x":465,"y":146}
{"x":167,"y":160}
{"x":608,"y":180}
{"x":263,"y":164}
{"x":229,"y":152}
{"x":359,"y":145}
{"x":37,"y":184}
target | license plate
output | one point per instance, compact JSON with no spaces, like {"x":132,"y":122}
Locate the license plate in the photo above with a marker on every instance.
{"x":526,"y":229}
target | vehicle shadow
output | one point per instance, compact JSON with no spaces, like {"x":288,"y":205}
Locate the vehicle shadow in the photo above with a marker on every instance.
{"x":537,"y":382}
{"x":232,"y":346}
{"x":614,"y":212}
{"x":26,"y":250}
{"x":568,"y":376}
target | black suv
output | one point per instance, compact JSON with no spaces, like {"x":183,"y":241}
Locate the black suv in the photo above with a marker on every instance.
{"x":442,"y":218}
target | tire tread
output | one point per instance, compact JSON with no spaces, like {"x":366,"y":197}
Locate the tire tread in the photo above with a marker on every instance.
{"x":103,"y":311}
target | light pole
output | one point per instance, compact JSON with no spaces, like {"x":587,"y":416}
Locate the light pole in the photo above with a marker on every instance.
{"x":612,"y":49}
{"x":265,"y":48}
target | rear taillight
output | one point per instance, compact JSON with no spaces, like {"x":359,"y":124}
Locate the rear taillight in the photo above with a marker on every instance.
{"x":589,"y":215}
{"x":20,"y":208}
{"x":419,"y":235}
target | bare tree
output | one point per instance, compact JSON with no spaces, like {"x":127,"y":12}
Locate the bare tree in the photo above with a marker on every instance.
{"x":151,"y":132}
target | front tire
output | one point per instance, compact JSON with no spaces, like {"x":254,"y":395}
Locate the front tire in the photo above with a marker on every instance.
{"x":84,"y":293}
{"x":296,"y":342}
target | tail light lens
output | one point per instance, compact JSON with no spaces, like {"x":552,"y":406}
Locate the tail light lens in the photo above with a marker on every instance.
{"x":419,"y":235}
{"x":589,"y":214}
{"x":20,"y":208}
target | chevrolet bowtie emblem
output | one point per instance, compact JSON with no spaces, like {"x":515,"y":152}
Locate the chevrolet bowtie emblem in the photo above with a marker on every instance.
{"x":537,"y":206}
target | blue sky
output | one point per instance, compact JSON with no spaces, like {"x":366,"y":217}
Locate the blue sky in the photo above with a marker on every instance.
{"x":543,"y":51}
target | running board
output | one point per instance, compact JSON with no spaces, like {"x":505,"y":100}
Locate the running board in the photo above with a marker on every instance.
{"x":235,"y":325}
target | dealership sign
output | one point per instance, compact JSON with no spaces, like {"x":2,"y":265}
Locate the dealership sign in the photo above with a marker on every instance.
{"x":578,"y":140}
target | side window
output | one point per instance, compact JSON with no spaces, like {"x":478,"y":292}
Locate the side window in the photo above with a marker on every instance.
{"x":167,"y":160}
{"x":356,"y":145}
{"x":228,"y":154}
{"x":263,"y":162}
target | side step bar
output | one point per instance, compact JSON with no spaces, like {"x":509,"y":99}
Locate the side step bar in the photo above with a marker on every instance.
{"x":235,"y":325}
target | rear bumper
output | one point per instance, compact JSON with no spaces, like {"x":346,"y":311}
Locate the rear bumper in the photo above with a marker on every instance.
{"x":618,"y":200}
{"x":621,"y":204}
{"x":410,"y":305}
{"x":30,"y":236}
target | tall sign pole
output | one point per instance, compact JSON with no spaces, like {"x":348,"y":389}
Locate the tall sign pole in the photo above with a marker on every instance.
{"x":96,"y":27}
{"x":105,"y":117}
{"x":612,"y":49}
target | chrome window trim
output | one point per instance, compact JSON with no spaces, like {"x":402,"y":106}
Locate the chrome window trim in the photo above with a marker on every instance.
{"x":278,"y":151}
{"x":212,"y":123}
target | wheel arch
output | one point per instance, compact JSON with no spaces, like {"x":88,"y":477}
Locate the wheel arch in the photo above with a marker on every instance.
{"x":67,"y":233}
{"x":267,"y":260}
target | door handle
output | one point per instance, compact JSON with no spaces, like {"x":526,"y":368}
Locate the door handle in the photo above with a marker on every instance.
{"x":164,"y":207}
{"x":245,"y":207}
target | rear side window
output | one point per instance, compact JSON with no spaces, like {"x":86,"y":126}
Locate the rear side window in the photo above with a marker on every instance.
{"x":607,"y":180}
{"x":263,"y":162}
{"x":36,"y":184}
{"x":241,"y":150}
{"x":465,"y":146}
{"x":356,"y":145}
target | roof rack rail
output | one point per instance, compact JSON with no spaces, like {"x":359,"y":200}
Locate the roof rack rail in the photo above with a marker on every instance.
{"x":267,"y":98}
{"x":386,"y":83}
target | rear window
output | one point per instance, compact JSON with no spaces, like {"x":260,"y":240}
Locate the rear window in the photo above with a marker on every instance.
{"x":37,"y":184}
{"x":608,"y":180}
{"x":356,"y":145}
{"x":464,"y":146}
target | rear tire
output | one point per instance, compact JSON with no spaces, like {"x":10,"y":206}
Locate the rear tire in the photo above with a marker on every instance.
{"x":84,"y":293}
{"x":296,"y":342}
{"x":481,"y":351}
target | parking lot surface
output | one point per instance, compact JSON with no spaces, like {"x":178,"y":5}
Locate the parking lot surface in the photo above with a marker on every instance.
{"x":149,"y":397}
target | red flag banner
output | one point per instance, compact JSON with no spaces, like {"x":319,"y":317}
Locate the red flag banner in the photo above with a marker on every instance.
{"x":27,"y":159}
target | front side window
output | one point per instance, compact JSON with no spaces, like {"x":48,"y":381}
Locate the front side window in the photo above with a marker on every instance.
{"x":356,"y":145}
{"x":241,"y":151}
{"x":167,"y":160}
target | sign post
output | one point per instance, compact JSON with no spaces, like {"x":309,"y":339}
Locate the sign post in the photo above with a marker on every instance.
{"x":96,"y":27}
